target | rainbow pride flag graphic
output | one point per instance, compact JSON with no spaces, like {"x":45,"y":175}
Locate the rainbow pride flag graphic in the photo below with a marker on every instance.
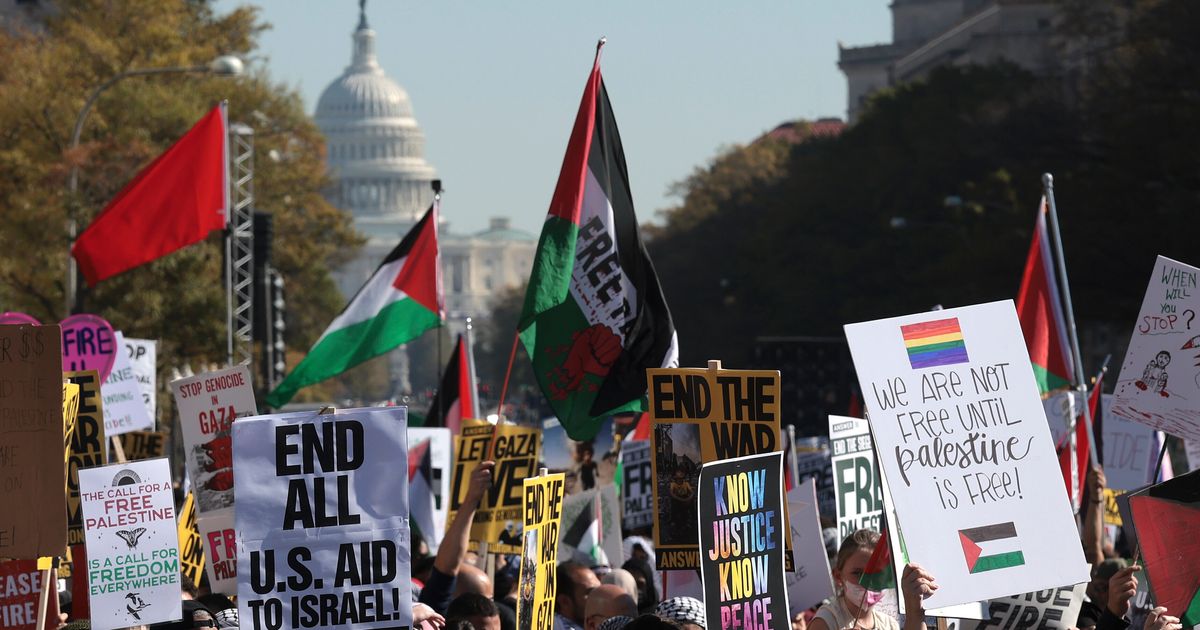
{"x":930,"y":344}
{"x":999,"y":543}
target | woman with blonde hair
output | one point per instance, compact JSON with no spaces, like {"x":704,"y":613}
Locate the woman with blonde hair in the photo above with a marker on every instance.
{"x":852,"y":608}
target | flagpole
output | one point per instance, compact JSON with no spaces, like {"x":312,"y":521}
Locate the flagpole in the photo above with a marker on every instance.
{"x":1080,"y":379}
{"x":437,"y":217}
{"x":471,"y":376}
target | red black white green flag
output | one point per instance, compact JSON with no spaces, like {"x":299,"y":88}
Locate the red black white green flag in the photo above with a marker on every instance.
{"x":595,"y":317}
{"x":1040,"y":309}
{"x":455,"y":397}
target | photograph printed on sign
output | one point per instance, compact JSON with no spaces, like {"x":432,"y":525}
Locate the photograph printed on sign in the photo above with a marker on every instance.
{"x":208,"y":404}
{"x":587,"y":464}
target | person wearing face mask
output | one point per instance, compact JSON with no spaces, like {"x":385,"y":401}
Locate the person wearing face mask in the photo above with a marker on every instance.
{"x":853,"y":606}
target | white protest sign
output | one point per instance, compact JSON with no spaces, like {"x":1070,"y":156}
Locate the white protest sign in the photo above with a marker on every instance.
{"x":124,"y":406}
{"x":220,"y":549}
{"x":1159,"y":384}
{"x":637,"y":490}
{"x":1129,"y":447}
{"x":811,"y":582}
{"x":322,"y":524}
{"x":132,"y":544}
{"x":1048,"y":609}
{"x":441,"y":456}
{"x":966,"y":451}
{"x":143,"y":354}
{"x":817,"y":465}
{"x":858,"y":495}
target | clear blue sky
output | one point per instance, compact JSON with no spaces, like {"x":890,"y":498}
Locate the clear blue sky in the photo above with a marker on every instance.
{"x":495,"y":85}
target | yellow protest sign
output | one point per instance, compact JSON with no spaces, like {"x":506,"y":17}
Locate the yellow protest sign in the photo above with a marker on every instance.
{"x":191,"y":547}
{"x":498,"y":519}
{"x":70,"y":417}
{"x":1112,"y":513}
{"x":703,"y":415}
{"x":539,"y":551}
{"x":88,"y":447}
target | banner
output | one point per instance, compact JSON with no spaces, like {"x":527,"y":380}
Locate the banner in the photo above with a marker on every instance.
{"x":20,"y":592}
{"x":124,"y":404}
{"x":143,"y":444}
{"x":543,"y":499}
{"x":132,"y":544}
{"x":742,"y":533}
{"x":498,"y":519}
{"x":88,"y":343}
{"x":637,"y":485}
{"x":322,"y":522}
{"x":857,"y":490}
{"x":587,"y":464}
{"x":32,"y":524}
{"x":1159,"y":384}
{"x":143,"y":355}
{"x":88,"y":446}
{"x":703,"y":415}
{"x":591,"y":528}
{"x":811,"y":582}
{"x":1129,"y":447}
{"x":441,"y":455}
{"x":963,"y":442}
{"x":191,"y":547}
{"x":208,"y":404}
{"x":1049,"y":609}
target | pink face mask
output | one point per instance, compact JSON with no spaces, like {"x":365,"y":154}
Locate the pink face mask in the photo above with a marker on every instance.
{"x":859,"y":596}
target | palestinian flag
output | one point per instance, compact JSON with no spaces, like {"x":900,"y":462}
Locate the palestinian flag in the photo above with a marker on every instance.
{"x":1040,"y":309}
{"x":595,"y":317}
{"x":455,"y":398}
{"x":585,"y":535}
{"x":1166,"y":518}
{"x":991,"y":547}
{"x":879,"y":573}
{"x":421,"y":505}
{"x":401,"y":300}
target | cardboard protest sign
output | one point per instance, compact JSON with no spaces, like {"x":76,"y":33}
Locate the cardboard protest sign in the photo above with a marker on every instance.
{"x":742,"y":534}
{"x":1053,"y":608}
{"x":1129,"y":447}
{"x":124,"y":406}
{"x":20,"y":590}
{"x":191,"y":547}
{"x":31,"y":436}
{"x":440,"y":443}
{"x":143,"y":444}
{"x":88,"y":343}
{"x":587,"y":464}
{"x":89,"y":446}
{"x":857,"y":489}
{"x":1167,"y":518}
{"x":322,"y":524}
{"x":1159,"y":384}
{"x":637,"y":490}
{"x":811,"y":582}
{"x":702,"y":415}
{"x":591,"y":528}
{"x":143,"y":356}
{"x":498,"y":518}
{"x":543,"y":498}
{"x":966,"y":451}
{"x":132,"y":544}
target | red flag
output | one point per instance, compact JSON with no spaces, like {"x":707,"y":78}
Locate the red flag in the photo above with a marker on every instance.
{"x":1039,"y":308}
{"x":174,"y":202}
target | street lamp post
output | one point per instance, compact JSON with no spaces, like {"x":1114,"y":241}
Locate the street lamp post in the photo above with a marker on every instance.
{"x":225,"y":65}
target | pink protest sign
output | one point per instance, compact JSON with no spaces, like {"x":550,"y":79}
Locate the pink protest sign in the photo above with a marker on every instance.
{"x":88,"y":343}
{"x":13,"y":317}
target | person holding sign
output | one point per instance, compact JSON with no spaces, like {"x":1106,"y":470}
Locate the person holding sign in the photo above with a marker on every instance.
{"x":439,"y":588}
{"x":853,"y":607}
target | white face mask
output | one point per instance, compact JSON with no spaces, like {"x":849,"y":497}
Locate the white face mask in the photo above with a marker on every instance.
{"x":859,"y":596}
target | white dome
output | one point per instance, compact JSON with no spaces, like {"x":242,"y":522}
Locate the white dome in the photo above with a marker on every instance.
{"x":358,"y":95}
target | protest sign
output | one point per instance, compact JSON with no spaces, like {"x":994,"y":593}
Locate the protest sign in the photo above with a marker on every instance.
{"x":441,"y":446}
{"x":88,"y":343}
{"x":543,"y":498}
{"x":811,"y":582}
{"x":220,"y":550}
{"x":31,"y":434}
{"x":1159,"y":384}
{"x":191,"y":547}
{"x":682,"y":583}
{"x":742,"y":534}
{"x":591,"y":528}
{"x":88,"y":446}
{"x":1129,"y":447}
{"x":1052,"y":608}
{"x":498,"y":518}
{"x":966,"y":451}
{"x":124,"y":406}
{"x":70,"y":415}
{"x":587,"y":464}
{"x":14,"y":318}
{"x":815,"y":461}
{"x":856,"y":486}
{"x":143,"y":444}
{"x":322,"y":524}
{"x":20,"y":590}
{"x":1112,"y":511}
{"x":143,"y":355}
{"x":637,"y":478}
{"x":1165,"y":517}
{"x":703,"y":415}
{"x":132,"y":544}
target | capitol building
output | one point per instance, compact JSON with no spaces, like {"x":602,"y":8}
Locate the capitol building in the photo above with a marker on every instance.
{"x":376,"y":155}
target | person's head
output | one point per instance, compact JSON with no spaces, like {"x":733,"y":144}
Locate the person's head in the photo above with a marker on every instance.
{"x":688,"y":612}
{"x":472,"y":580}
{"x":223,"y":609}
{"x":195,"y":615}
{"x":651,"y":622}
{"x":799,"y":622}
{"x":479,"y":610}
{"x":638,"y":552}
{"x":623,"y":579}
{"x":1097,"y":588}
{"x":643,"y":575}
{"x":607,"y":600}
{"x":851,"y":562}
{"x":188,"y":588}
{"x":575,"y":581}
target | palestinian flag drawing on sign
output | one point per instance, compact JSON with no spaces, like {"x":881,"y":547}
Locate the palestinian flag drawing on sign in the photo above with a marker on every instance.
{"x":595,"y":317}
{"x":991,"y":547}
{"x":1166,"y":518}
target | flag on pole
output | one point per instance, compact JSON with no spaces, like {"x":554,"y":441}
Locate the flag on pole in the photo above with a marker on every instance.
{"x":594,"y":317}
{"x":174,"y":202}
{"x":1074,"y":462}
{"x":455,"y":397}
{"x":879,"y":574}
{"x":399,"y":302}
{"x":1039,"y":307}
{"x":421,"y":504}
{"x":585,"y":535}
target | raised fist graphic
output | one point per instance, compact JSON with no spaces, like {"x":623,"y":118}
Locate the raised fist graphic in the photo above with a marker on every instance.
{"x":593,"y":351}
{"x":220,"y":453}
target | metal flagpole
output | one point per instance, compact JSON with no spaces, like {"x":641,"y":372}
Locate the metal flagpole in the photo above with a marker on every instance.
{"x":1080,"y":379}
{"x":437,"y":216}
